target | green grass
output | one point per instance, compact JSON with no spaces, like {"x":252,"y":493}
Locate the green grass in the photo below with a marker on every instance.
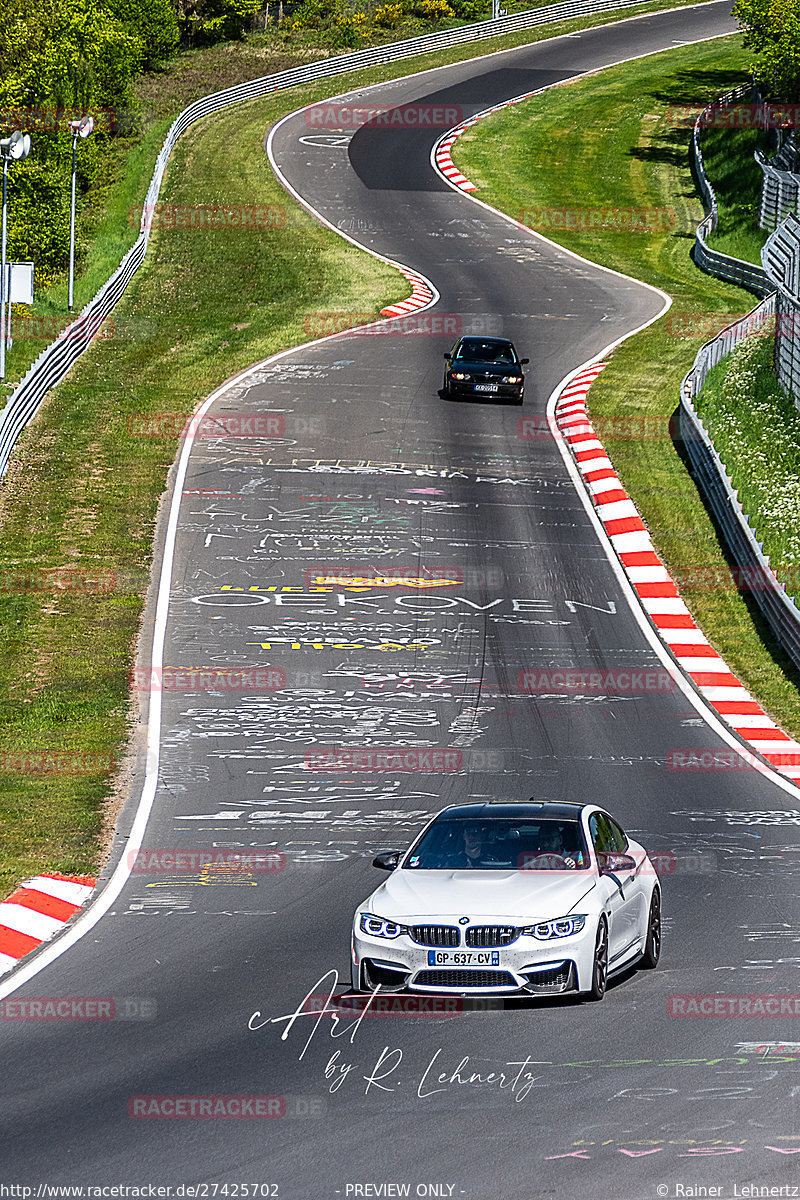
{"x":615,"y":147}
{"x":736,"y":177}
{"x":756,"y":431}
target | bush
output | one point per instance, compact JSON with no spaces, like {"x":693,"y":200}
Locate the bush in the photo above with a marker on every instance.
{"x":470,"y":10}
{"x":203,"y":22}
{"x":436,"y":10}
{"x":155,"y":23}
{"x":389,"y":15}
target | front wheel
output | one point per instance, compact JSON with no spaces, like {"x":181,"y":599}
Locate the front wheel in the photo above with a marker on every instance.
{"x":652,"y":943}
{"x":600,"y":964}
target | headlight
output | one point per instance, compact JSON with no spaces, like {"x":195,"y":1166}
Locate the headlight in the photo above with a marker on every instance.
{"x":458,"y":375}
{"x":512,"y":379}
{"x":561,"y":927}
{"x":378,"y":927}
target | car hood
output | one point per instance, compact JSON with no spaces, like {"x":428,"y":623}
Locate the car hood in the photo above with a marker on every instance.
{"x":487,"y":368}
{"x":446,"y":895}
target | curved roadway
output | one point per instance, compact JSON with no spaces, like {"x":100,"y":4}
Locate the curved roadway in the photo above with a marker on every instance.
{"x":372,"y":471}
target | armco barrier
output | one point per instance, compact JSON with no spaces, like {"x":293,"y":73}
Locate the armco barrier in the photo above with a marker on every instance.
{"x":779,"y":610}
{"x":56,"y":360}
{"x":722,"y":266}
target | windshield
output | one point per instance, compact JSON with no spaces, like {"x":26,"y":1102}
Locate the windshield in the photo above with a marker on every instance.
{"x":499,"y":844}
{"x":477,"y":350}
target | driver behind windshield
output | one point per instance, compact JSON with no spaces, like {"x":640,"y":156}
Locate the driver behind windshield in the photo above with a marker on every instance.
{"x":551,"y":843}
{"x":473,"y":851}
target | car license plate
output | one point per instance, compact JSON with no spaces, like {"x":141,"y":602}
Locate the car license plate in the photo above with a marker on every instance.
{"x":463,"y":958}
{"x":485,"y":387}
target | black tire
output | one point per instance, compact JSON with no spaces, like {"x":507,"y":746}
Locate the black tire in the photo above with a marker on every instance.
{"x":600,"y":963}
{"x":652,"y":943}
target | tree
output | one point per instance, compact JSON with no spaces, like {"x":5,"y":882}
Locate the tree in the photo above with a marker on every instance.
{"x":205,"y":21}
{"x":155,"y":23}
{"x":772,"y":30}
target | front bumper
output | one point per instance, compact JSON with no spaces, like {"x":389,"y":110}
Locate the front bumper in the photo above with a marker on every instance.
{"x":528,"y":966}
{"x":505,"y":391}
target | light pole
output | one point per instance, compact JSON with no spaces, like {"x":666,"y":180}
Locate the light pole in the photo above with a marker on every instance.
{"x":81,"y":128}
{"x":16,"y":147}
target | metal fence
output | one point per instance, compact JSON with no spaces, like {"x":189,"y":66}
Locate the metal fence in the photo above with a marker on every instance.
{"x":722,"y":266}
{"x":781,"y":259}
{"x":780,"y":190}
{"x":56,"y":360}
{"x":752,"y":565}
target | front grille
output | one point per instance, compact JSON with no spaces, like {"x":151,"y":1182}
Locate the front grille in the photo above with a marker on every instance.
{"x":483,"y":936}
{"x":554,"y":979}
{"x":465,"y":979}
{"x":435,"y":935}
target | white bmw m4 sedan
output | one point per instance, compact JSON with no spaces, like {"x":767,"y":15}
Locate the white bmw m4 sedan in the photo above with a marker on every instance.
{"x":532,"y":898}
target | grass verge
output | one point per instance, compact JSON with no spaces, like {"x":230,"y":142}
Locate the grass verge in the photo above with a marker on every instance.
{"x":615,"y":149}
{"x":756,"y":431}
{"x":736,"y":177}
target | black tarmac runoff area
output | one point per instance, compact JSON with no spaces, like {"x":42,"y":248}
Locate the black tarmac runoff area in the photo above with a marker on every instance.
{"x":368,"y":567}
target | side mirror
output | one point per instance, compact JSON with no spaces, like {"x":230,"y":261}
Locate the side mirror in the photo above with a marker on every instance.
{"x":523,"y":361}
{"x":612,"y":864}
{"x":447,"y":355}
{"x":387,"y":860}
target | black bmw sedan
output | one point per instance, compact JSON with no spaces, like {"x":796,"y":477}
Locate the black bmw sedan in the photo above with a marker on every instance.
{"x":484,"y":366}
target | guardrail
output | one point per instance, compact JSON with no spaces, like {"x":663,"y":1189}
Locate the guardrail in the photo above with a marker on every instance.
{"x":722,"y":266}
{"x":779,"y":609}
{"x":780,"y":189}
{"x":56,"y":360}
{"x":755,"y":574}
